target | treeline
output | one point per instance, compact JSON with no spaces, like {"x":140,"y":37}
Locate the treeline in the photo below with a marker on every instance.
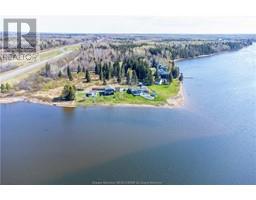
{"x":192,"y":49}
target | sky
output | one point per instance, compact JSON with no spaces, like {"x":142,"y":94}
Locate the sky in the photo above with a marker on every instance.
{"x":145,"y":24}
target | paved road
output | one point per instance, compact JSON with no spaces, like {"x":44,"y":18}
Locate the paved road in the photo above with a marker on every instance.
{"x":14,"y":73}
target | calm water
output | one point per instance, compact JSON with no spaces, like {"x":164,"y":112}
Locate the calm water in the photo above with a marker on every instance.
{"x":211,"y":140}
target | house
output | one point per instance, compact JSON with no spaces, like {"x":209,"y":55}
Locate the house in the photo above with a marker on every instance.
{"x":159,"y":82}
{"x":91,"y":94}
{"x":109,"y":90}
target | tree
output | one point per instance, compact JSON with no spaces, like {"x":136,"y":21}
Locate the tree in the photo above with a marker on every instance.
{"x":119,"y":79}
{"x":157,"y":75}
{"x":170,"y":77}
{"x":101,"y":73}
{"x":97,"y":68}
{"x":68,"y":92}
{"x":129,"y":77}
{"x":154,"y":63}
{"x":175,"y":72}
{"x":104,"y":81}
{"x":78,"y":69}
{"x":119,"y":74}
{"x":60,"y":74}
{"x":70,"y":77}
{"x":2,"y":88}
{"x":134,"y":77}
{"x":87,"y":76}
{"x":181,"y":77}
{"x":149,"y":78}
{"x":7,"y":87}
{"x":47,"y":69}
{"x":115,"y":69}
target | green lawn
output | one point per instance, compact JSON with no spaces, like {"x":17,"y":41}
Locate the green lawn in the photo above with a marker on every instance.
{"x":163,"y":93}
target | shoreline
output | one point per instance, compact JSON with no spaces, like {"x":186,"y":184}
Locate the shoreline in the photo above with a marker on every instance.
{"x":209,"y":55}
{"x":172,"y":102}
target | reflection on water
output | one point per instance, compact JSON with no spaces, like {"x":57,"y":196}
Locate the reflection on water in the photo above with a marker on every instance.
{"x":209,"y":141}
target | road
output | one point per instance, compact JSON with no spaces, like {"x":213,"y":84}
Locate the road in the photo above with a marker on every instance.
{"x":26,"y":69}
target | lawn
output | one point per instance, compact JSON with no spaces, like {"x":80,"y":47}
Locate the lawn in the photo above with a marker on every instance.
{"x":163,"y":93}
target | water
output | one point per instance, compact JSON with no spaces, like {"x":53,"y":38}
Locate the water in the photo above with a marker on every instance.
{"x":211,"y":140}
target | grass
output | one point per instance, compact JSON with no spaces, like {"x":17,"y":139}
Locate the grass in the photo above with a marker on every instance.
{"x":54,"y":84}
{"x":163,"y":93}
{"x":72,"y":48}
{"x":49,"y":54}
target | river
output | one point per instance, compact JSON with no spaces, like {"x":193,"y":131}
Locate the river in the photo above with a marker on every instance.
{"x":211,"y":140}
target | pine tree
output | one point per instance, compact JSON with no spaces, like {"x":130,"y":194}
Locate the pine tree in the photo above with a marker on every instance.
{"x":68,"y":92}
{"x":129,"y":77}
{"x":149,"y":78}
{"x":2,"y":88}
{"x":97,"y":68}
{"x":70,"y":77}
{"x":157,"y":77}
{"x":175,"y":72}
{"x":87,"y":76}
{"x":60,"y":74}
{"x":78,"y":69}
{"x":134,"y":77}
{"x":181,"y":77}
{"x":101,"y":73}
{"x":47,"y":69}
{"x":170,"y":77}
{"x":104,"y":81}
{"x":7,"y":87}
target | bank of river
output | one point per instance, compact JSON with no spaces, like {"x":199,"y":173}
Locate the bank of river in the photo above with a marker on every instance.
{"x":209,"y":140}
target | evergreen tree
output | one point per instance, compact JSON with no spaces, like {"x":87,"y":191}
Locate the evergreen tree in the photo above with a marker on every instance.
{"x":115,"y":69}
{"x":47,"y":69}
{"x":129,"y":77}
{"x":60,"y":74}
{"x":78,"y":69}
{"x":175,"y":72}
{"x":68,"y":92}
{"x":97,"y":69}
{"x":7,"y":87}
{"x":134,"y":78}
{"x":70,"y":77}
{"x":2,"y":88}
{"x":149,"y":78}
{"x":87,"y":76}
{"x":170,"y":77}
{"x":104,"y":81}
{"x":101,"y":73}
{"x":157,"y":77}
{"x":181,"y":77}
{"x":119,"y":78}
{"x":110,"y":70}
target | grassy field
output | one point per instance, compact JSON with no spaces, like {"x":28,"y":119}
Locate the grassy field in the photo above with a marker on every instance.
{"x":163,"y":93}
{"x":49,"y":54}
{"x":72,"y":48}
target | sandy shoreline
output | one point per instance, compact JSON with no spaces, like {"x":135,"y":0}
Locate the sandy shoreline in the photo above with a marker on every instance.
{"x":172,"y":102}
